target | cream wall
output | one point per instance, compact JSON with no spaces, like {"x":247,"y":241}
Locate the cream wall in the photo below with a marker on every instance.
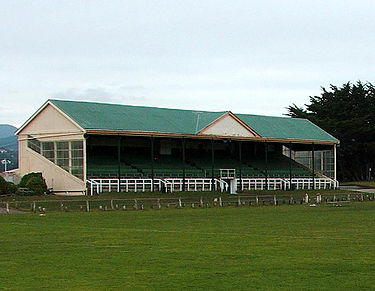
{"x":228,"y":126}
{"x":50,"y":125}
{"x":50,"y":120}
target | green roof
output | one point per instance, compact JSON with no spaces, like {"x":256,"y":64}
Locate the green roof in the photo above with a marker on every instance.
{"x":115,"y":117}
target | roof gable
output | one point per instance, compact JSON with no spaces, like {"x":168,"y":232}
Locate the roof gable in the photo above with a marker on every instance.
{"x":228,"y":125}
{"x":49,"y":119}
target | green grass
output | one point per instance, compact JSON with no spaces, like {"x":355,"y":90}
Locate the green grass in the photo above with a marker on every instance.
{"x":370,"y":184}
{"x":282,"y":247}
{"x":193,"y":195}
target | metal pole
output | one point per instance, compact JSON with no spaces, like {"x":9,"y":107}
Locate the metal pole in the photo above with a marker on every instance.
{"x":212,"y":165}
{"x":183,"y":164}
{"x":290,"y":166}
{"x":313,"y":165}
{"x":334,"y":165}
{"x":119,"y":157}
{"x":152,"y":163}
{"x":266,"y":160}
{"x":240,"y":158}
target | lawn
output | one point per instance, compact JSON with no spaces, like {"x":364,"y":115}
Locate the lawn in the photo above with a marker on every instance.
{"x":249,"y":247}
{"x":368,"y":184}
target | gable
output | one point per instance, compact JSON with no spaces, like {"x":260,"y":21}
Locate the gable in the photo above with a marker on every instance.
{"x":228,"y":125}
{"x":49,"y":120}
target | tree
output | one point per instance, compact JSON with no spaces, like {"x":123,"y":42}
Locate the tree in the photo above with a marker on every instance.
{"x":348,"y":113}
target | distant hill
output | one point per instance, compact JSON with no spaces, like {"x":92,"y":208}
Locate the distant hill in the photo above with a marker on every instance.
{"x":7,"y":130}
{"x":8,"y":141}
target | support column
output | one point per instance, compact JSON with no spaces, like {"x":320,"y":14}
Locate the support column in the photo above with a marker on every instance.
{"x":266,"y":163}
{"x":212,"y":166}
{"x":313,"y":165}
{"x":85,"y":160}
{"x":119,"y":157}
{"x":183,"y":164}
{"x":240,"y":159}
{"x":152,"y":163}
{"x":334,"y":164}
{"x":290,"y":165}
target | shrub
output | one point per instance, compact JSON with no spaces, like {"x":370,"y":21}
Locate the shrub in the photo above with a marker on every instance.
{"x":27,"y":177}
{"x":7,"y":187}
{"x":11,"y":188}
{"x":3,"y":185}
{"x":37,"y":185}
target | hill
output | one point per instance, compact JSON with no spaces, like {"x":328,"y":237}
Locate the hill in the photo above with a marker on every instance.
{"x":7,"y":130}
{"x":8,"y":141}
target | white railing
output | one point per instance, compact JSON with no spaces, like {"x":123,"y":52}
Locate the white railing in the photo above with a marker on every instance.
{"x":309,"y":183}
{"x":167,"y":185}
{"x":196,"y":184}
{"x":260,"y":184}
{"x":205,"y":184}
{"x":284,"y":183}
{"x":125,"y":185}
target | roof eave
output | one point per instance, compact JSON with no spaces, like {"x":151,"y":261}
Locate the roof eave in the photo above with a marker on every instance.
{"x":181,"y":135}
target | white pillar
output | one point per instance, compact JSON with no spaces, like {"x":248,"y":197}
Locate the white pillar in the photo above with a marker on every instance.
{"x":334,"y":164}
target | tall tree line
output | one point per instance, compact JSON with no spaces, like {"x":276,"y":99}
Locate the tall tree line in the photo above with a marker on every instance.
{"x":348,"y":113}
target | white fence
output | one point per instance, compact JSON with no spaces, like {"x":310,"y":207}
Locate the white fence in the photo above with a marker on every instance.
{"x":205,"y":184}
{"x":284,"y":184}
{"x":143,"y":185}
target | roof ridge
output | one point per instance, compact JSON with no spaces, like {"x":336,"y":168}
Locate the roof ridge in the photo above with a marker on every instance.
{"x":138,"y":106}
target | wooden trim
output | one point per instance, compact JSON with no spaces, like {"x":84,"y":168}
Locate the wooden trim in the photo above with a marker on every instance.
{"x":49,"y":135}
{"x":229,"y":113}
{"x":195,"y":136}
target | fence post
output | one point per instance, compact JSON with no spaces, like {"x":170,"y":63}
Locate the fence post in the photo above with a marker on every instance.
{"x":112,"y":204}
{"x":159,"y":206}
{"x":220,"y":202}
{"x":34,"y":206}
{"x":239,"y":201}
{"x":87,"y":205}
{"x":7,"y":206}
{"x":179,"y":203}
{"x":257,"y":200}
{"x":274,"y":200}
{"x":201,"y":202}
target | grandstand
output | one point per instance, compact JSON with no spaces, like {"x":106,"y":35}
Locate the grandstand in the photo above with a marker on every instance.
{"x":86,"y":147}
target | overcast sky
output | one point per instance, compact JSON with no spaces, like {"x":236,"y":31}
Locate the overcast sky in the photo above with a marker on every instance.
{"x":245,"y":56}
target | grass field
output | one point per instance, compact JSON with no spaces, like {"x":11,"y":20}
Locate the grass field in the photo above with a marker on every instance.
{"x":249,"y":247}
{"x":369,"y":184}
{"x":197,"y":194}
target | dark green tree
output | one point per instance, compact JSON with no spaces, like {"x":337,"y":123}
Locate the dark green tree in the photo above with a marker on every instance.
{"x":348,"y":113}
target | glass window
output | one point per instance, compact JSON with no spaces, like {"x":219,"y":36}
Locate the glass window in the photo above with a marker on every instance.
{"x":48,"y":150}
{"x":33,"y":144}
{"x":66,"y":154}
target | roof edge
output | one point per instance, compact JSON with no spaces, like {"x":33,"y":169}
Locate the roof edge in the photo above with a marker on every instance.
{"x":181,"y":135}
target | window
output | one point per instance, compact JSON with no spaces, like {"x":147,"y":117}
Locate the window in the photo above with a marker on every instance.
{"x":48,"y":150}
{"x":34,"y":144}
{"x":66,"y":154}
{"x":62,"y":154}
